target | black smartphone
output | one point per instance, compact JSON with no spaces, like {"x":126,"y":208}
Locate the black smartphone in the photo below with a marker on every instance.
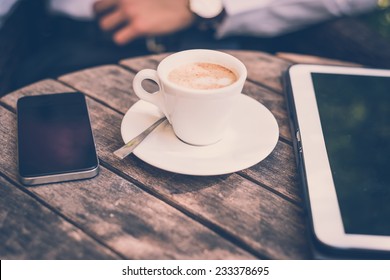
{"x":55,"y":139}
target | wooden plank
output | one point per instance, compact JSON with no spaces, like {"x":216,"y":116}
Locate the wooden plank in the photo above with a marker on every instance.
{"x":245,"y":210}
{"x":263,"y":68}
{"x":115,"y":211}
{"x":279,"y":171}
{"x":139,"y":63}
{"x":110,"y":84}
{"x":44,"y":87}
{"x":204,"y":196}
{"x":28,"y":230}
{"x":309,"y":59}
{"x":275,"y":103}
{"x":102,"y":83}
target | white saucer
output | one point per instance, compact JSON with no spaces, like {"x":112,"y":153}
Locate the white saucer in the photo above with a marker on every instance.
{"x":251,"y":137}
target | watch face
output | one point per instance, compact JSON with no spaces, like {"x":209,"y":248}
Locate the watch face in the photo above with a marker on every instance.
{"x":206,"y":8}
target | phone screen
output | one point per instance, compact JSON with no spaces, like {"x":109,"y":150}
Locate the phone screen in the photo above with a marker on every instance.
{"x":54,"y":135}
{"x":355,"y":119}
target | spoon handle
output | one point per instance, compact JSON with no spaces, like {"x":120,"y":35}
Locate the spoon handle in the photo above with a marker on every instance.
{"x":128,"y":148}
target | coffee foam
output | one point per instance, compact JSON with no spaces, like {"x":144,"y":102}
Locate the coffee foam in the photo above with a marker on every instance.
{"x":202,"y":75}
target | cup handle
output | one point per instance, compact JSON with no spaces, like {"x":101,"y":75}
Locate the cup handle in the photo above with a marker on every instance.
{"x":155,"y":98}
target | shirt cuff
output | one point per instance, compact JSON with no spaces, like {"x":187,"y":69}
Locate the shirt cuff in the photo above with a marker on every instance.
{"x":269,"y":18}
{"x":77,"y":9}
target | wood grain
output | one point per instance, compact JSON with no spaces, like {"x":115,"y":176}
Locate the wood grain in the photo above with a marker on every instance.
{"x":116,"y":212}
{"x":29,"y":230}
{"x":274,"y":102}
{"x":110,"y":84}
{"x":263,"y":68}
{"x":279,"y":171}
{"x":227,"y":214}
{"x":137,"y":64}
{"x":42,"y":87}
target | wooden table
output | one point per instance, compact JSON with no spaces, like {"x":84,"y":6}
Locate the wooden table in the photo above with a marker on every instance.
{"x":135,"y":211}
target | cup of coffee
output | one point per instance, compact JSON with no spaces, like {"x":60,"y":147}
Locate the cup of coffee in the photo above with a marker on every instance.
{"x":197,"y":92}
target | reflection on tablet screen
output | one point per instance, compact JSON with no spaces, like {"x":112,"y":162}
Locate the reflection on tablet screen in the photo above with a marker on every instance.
{"x":355,"y":118}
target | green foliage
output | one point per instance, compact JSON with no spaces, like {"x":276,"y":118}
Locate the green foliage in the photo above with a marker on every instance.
{"x":380,"y":21}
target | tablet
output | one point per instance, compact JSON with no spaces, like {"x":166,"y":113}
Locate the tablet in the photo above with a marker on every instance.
{"x":341,"y":129}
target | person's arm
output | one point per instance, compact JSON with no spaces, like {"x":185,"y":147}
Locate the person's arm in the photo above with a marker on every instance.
{"x":267,"y":18}
{"x":130,"y":19}
{"x":6,"y":7}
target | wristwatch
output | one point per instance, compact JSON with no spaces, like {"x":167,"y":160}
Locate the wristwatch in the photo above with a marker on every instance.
{"x":206,"y":9}
{"x":209,"y":13}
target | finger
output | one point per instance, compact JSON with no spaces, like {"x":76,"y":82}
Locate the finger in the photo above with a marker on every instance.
{"x":112,"y":20}
{"x":103,"y":5}
{"x":125,"y":35}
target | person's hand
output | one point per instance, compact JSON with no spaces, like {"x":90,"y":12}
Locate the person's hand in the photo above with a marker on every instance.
{"x":130,"y":19}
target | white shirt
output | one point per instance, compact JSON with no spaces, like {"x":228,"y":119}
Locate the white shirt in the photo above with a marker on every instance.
{"x":267,"y":18}
{"x":263,"y":18}
{"x":77,"y":9}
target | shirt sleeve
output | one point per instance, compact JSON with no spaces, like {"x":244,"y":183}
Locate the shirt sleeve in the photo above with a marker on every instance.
{"x":268,"y":18}
{"x":76,"y":9}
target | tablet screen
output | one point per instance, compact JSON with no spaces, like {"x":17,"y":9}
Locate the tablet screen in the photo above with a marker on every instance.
{"x":355,"y":118}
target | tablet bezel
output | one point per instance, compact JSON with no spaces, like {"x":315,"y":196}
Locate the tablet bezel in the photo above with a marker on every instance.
{"x":326,"y":216}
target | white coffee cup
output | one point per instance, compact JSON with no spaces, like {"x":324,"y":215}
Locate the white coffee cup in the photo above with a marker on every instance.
{"x":198,"y":116}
